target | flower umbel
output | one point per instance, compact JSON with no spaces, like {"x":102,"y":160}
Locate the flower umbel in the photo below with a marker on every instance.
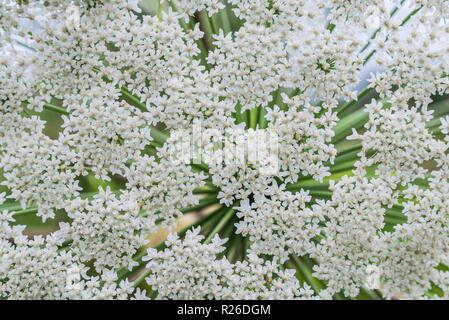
{"x":122,"y":118}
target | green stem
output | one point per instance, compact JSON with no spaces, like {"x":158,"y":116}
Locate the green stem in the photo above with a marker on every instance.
{"x":159,"y":10}
{"x":353,"y":155}
{"x":205,"y":189}
{"x":214,"y":217}
{"x":245,"y":247}
{"x":367,"y":294}
{"x":141,"y":277}
{"x":224,"y":18}
{"x":230,"y":232}
{"x":158,"y":136}
{"x":411,"y":14}
{"x":25,"y":211}
{"x":238,"y":113}
{"x":299,"y":274}
{"x":307,"y":274}
{"x":344,"y":127}
{"x":220,"y":225}
{"x":263,"y":123}
{"x":202,"y":221}
{"x":212,"y":25}
{"x":54,"y":108}
{"x":254,"y":117}
{"x":343,"y":166}
{"x":205,"y":27}
{"x":235,"y":245}
{"x":133,"y":100}
{"x":203,"y":203}
{"x":352,"y":102}
{"x":347,"y":148}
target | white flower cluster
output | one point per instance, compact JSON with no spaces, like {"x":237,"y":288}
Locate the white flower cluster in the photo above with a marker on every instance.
{"x":399,"y":142}
{"x":293,"y":51}
{"x":413,"y":254}
{"x":43,"y":268}
{"x":355,"y":237}
{"x":349,"y":241}
{"x":248,"y":161}
{"x":106,"y":133}
{"x":278,"y":222}
{"x":129,"y":86}
{"x":356,"y":11}
{"x":190,"y":7}
{"x":415,"y":65}
{"x":35,"y":166}
{"x":107,"y":230}
{"x":163,"y":186}
{"x":304,"y":139}
{"x":189,"y":269}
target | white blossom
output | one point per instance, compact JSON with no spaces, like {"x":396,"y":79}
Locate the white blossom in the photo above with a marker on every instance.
{"x":316,"y":132}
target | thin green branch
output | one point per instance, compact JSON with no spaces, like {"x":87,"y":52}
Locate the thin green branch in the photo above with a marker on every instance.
{"x":306,"y":272}
{"x":54,"y":108}
{"x":220,"y":225}
{"x":346,"y":106}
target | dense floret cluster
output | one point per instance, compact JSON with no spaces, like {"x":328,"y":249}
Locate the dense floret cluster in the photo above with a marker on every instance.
{"x":308,"y":139}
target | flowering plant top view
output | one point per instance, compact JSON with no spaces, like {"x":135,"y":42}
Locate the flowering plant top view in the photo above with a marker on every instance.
{"x":239,"y":149}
